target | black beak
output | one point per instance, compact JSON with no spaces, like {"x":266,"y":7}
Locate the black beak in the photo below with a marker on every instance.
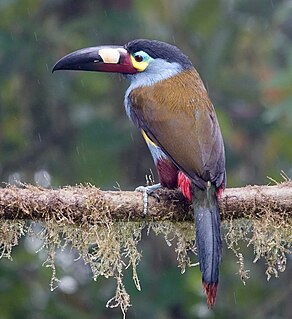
{"x":99,"y":59}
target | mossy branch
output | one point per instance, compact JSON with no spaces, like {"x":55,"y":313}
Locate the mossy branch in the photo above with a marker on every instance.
{"x":97,"y":224}
{"x":87,"y":203}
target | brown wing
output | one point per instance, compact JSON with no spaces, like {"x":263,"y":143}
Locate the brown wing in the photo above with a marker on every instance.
{"x":181,"y":119}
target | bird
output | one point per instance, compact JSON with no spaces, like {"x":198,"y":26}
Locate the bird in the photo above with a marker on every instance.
{"x":169,"y":104}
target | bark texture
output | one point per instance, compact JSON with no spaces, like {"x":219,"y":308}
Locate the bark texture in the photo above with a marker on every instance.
{"x":90,"y":204}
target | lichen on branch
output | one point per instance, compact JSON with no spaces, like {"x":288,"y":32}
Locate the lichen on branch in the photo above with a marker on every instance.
{"x":106,"y":227}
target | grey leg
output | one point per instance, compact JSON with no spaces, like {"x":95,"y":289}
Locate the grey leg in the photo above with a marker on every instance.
{"x":147,"y":190}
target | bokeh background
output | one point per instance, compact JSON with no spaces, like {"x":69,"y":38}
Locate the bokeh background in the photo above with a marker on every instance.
{"x":69,"y":128}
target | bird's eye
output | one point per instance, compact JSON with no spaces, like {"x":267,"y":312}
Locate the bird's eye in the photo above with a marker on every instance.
{"x":138,"y":58}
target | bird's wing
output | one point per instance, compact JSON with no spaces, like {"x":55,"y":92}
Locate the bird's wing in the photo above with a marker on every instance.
{"x":184,"y":127}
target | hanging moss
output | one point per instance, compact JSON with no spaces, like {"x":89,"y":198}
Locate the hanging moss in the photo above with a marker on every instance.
{"x":109,"y":246}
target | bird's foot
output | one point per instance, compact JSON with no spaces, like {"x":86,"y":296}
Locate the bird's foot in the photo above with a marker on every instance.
{"x":146,"y":191}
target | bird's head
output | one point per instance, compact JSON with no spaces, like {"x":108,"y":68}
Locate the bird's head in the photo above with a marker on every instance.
{"x":140,"y":60}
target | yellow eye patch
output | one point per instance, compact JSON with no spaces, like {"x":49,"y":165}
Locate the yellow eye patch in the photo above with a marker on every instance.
{"x":140,"y":66}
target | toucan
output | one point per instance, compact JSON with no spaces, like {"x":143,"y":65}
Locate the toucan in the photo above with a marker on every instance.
{"x":169,"y":104}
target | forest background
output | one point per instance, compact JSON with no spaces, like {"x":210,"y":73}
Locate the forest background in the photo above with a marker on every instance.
{"x":71,"y":128}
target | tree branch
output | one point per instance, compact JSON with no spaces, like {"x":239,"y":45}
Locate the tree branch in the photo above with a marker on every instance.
{"x":93,"y":214}
{"x":89,"y":204}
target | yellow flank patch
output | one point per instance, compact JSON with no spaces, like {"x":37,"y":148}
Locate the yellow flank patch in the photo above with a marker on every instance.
{"x":109,"y":55}
{"x":140,"y":66}
{"x":147,"y":139}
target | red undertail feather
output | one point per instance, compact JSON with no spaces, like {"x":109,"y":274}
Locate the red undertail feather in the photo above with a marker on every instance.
{"x":220,"y":190}
{"x":167,"y":173}
{"x":185,"y":185}
{"x":211,"y":291}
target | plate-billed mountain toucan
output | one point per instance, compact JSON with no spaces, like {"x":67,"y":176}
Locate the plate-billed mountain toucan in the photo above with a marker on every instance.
{"x":169,"y":104}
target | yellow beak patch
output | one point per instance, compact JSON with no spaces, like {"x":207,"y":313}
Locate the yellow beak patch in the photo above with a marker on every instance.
{"x":109,"y":55}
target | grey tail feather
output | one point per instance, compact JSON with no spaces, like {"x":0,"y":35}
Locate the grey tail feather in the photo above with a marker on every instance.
{"x":208,"y":238}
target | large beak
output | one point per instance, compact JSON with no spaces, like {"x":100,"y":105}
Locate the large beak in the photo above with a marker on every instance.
{"x":99,"y":59}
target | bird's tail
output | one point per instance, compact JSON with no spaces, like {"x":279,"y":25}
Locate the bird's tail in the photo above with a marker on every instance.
{"x":208,"y":238}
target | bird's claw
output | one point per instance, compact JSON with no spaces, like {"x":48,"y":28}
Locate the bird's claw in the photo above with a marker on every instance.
{"x":146,"y":191}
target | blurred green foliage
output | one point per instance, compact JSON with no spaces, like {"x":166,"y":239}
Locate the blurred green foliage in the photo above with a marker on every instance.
{"x":70,"y":128}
